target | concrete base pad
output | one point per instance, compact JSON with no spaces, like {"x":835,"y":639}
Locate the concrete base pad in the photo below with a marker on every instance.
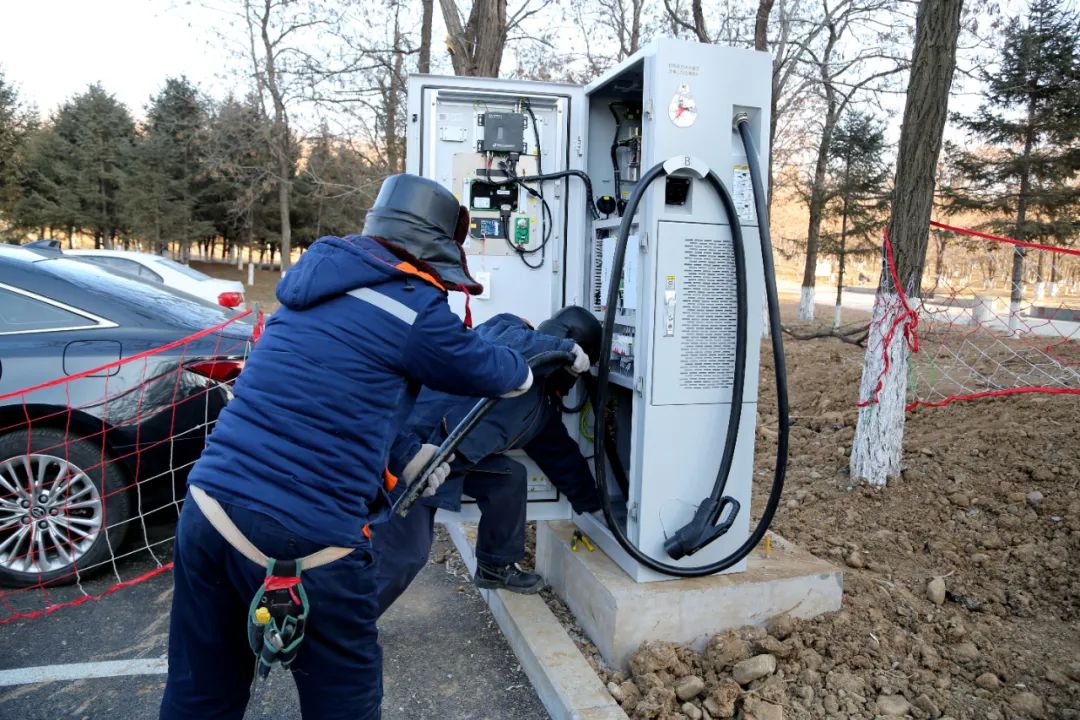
{"x":619,"y":614}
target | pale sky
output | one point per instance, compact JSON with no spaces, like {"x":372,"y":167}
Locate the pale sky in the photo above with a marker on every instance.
{"x":53,"y":49}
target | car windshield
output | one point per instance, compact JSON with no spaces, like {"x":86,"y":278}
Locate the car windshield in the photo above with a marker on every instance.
{"x":182,"y":269}
{"x":145,"y":299}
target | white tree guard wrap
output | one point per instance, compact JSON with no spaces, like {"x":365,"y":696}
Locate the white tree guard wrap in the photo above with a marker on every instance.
{"x":806,"y":304}
{"x":877,"y":447}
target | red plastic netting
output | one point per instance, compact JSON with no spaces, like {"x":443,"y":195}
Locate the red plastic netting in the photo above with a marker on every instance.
{"x":971,"y":336}
{"x":93,"y":464}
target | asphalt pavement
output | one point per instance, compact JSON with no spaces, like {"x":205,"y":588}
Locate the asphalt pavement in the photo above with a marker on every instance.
{"x":444,"y":656}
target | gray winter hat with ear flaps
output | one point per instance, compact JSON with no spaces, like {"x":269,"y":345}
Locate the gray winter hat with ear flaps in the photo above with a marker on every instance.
{"x":426,"y":222}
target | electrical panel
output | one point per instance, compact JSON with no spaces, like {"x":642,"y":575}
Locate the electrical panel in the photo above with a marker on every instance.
{"x":478,"y":137}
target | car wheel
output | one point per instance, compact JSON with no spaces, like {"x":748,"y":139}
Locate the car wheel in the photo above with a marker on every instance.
{"x":63,"y":508}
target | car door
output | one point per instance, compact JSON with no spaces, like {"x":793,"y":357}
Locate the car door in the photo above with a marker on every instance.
{"x":43,"y":340}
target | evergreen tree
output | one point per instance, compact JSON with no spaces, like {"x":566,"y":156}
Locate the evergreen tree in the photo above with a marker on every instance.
{"x":15,"y":127}
{"x":239,"y":199}
{"x":1030,"y":130}
{"x":47,"y":180}
{"x":76,"y":171}
{"x":170,"y":174}
{"x":858,"y":196}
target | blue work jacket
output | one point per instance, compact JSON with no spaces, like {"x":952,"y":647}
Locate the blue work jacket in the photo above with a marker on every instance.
{"x":531,"y":422}
{"x":324,"y":391}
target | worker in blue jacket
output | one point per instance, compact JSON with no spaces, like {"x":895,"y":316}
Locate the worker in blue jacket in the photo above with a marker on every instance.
{"x":531,"y":422}
{"x":294,"y":476}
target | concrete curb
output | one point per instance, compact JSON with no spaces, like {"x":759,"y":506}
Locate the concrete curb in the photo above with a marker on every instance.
{"x":564,"y":680}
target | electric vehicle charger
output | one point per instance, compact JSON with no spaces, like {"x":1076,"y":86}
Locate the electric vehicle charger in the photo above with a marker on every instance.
{"x":704,"y":528}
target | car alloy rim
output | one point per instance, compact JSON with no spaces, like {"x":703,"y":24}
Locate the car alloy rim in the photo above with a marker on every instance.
{"x":50,"y":513}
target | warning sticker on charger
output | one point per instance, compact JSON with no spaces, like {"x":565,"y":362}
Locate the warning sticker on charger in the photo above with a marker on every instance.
{"x":742,"y":192}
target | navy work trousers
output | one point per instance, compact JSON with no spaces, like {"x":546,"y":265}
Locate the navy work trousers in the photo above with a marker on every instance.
{"x":338,"y":669}
{"x":500,"y":487}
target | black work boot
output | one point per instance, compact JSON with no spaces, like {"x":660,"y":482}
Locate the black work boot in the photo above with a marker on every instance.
{"x":507,"y":577}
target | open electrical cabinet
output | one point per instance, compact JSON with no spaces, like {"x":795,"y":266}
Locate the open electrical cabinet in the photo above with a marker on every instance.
{"x":539,"y":245}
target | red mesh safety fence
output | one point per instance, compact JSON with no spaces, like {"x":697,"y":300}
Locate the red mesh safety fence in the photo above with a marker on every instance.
{"x":973,"y":333}
{"x":93,"y":466}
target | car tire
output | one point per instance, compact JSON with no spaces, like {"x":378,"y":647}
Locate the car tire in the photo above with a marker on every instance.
{"x":102,"y":498}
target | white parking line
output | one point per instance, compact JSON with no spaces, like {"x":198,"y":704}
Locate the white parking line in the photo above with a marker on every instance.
{"x":83,"y":671}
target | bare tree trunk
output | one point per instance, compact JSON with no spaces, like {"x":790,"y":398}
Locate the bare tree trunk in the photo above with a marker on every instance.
{"x":1016,"y":294}
{"x":761,"y":42}
{"x":698,"y":27}
{"x":939,"y":262}
{"x":699,"y":22}
{"x":761,"y":24}
{"x":843,"y":247}
{"x":1040,"y":277}
{"x":813,"y":230}
{"x":635,"y":29}
{"x":477,"y":48}
{"x":877,"y":448}
{"x":424,"y":63}
{"x":817,"y":189}
{"x":279,"y":137}
{"x":394,"y":90}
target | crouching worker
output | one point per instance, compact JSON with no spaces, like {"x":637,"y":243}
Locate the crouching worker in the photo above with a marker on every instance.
{"x":531,"y":422}
{"x":273,"y":551}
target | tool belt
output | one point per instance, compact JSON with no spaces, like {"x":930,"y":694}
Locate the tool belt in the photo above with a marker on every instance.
{"x":278,"y":614}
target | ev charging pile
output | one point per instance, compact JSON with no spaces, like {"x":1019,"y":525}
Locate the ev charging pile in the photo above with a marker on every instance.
{"x":642,"y":198}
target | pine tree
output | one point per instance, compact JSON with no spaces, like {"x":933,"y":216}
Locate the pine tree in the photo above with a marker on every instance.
{"x":170,"y":174}
{"x":46,"y":184}
{"x":859,"y":175}
{"x":77,"y":168}
{"x":15,"y":128}
{"x":1029,"y":128}
{"x":238,"y":199}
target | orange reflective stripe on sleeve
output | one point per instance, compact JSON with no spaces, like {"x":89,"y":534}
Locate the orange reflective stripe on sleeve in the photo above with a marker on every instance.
{"x":389,"y":480}
{"x":367,"y":531}
{"x":411,"y":269}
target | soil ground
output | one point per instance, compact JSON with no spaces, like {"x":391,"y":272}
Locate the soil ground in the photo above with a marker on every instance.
{"x":987,"y":507}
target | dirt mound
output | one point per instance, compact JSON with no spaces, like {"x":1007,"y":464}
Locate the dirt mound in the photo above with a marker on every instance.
{"x":961,"y":587}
